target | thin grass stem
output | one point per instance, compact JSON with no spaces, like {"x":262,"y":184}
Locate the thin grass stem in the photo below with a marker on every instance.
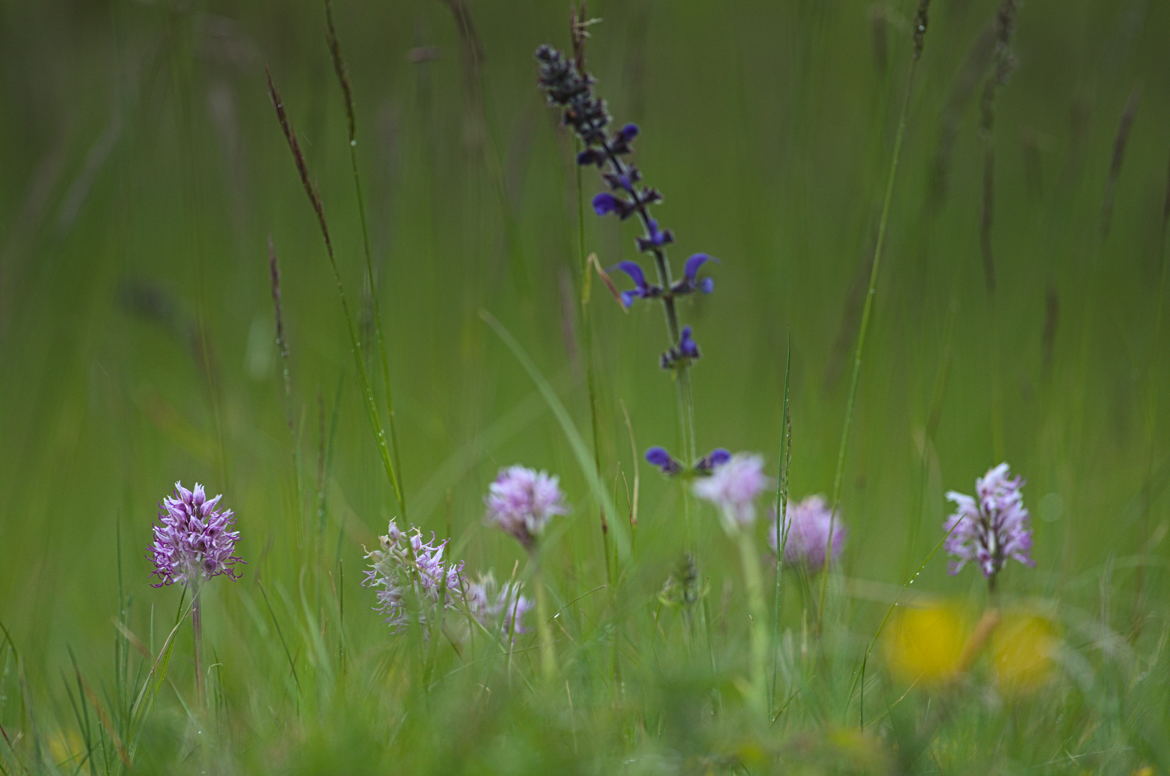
{"x":866,"y":312}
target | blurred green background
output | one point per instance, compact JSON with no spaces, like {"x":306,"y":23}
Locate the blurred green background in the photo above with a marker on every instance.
{"x":143,"y":173}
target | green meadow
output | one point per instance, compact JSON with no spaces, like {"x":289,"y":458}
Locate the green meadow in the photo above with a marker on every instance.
{"x":917,"y":278}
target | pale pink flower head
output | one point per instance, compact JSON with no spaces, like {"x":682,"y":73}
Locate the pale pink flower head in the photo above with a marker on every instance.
{"x":733,"y":487}
{"x":521,"y":501}
{"x":804,"y":537}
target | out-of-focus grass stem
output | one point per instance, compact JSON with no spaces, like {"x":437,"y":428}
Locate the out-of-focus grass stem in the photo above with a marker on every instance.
{"x":758,"y":633}
{"x":351,"y":123}
{"x":867,"y":308}
{"x":784,"y":465}
{"x":351,"y":327}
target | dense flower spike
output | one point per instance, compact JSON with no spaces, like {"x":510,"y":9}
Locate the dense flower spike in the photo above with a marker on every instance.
{"x":733,"y":487}
{"x":990,"y":527}
{"x":804,"y":537}
{"x":498,"y":606}
{"x":194,"y":540}
{"x":572,"y":90}
{"x":521,"y":501}
{"x":406,"y":571}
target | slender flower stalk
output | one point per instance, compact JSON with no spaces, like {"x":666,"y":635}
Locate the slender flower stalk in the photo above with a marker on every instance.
{"x":193,"y":542}
{"x":733,"y":485}
{"x":521,"y":501}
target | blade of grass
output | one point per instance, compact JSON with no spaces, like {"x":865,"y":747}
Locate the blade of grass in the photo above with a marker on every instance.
{"x":576,"y":442}
{"x":351,"y":328}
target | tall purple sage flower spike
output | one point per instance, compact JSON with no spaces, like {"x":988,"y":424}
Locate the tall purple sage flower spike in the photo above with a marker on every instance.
{"x":521,"y":501}
{"x":991,"y":526}
{"x":194,"y":542}
{"x":571,"y":90}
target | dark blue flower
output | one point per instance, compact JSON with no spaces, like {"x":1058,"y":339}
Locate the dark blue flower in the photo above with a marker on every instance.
{"x":657,"y":456}
{"x":691,"y":281}
{"x":641,"y":289}
{"x":655,"y":237}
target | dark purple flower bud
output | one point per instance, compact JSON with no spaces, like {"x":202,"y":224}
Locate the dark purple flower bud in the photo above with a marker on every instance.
{"x":591,"y":156}
{"x":686,"y":345}
{"x":620,"y":144}
{"x":658,"y":456}
{"x":624,"y":181}
{"x":655,"y":237}
{"x":686,"y":349}
{"x":713,"y":459}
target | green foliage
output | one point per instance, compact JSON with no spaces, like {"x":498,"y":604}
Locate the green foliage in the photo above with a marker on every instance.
{"x":144,"y":172}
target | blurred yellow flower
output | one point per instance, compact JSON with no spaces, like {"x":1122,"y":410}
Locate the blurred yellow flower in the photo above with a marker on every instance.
{"x":925,"y":644}
{"x":1023,"y":649}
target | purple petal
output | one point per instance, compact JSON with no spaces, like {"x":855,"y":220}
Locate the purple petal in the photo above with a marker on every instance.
{"x":635,"y":272}
{"x":691,"y":268}
{"x":606,"y":203}
{"x":718,"y":456}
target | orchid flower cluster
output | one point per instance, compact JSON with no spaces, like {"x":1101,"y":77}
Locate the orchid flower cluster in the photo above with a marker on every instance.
{"x":990,"y":527}
{"x":194,"y":540}
{"x":413,"y":581}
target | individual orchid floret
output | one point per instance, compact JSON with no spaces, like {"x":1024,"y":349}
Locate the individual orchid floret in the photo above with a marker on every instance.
{"x":521,"y":501}
{"x":991,"y":526}
{"x":691,"y":282}
{"x":194,"y":541}
{"x":406,"y":572}
{"x":685,"y":351}
{"x":804,"y":538}
{"x":733,"y":487}
{"x":497,"y":606}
